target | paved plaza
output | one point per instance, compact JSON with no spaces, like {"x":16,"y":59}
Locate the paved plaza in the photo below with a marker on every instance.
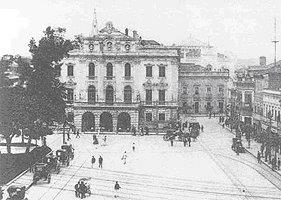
{"x":209,"y":169}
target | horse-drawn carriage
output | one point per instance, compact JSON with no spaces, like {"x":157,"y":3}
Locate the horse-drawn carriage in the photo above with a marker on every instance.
{"x":171,"y":134}
{"x":16,"y":192}
{"x":69,"y":150}
{"x":41,"y":172}
{"x":237,"y":145}
{"x":63,"y":157}
{"x":53,"y":163}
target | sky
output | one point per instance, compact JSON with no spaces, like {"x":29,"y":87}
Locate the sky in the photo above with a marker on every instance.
{"x":244,"y":28}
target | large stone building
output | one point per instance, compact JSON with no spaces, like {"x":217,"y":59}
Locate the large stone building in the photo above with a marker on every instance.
{"x":116,"y":81}
{"x":202,"y":89}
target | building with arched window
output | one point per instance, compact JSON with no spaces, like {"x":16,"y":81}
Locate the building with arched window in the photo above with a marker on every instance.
{"x":119,"y":80}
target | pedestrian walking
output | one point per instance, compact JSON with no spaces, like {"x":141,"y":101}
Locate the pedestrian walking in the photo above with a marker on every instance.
{"x":83,"y":190}
{"x":146,"y":130}
{"x":202,"y":128}
{"x":76,"y":187}
{"x":273,"y":163}
{"x":172,"y":142}
{"x":134,"y":130}
{"x":133,"y":147}
{"x":124,"y":158}
{"x":104,"y":140}
{"x":184,"y":142}
{"x":259,"y":157}
{"x":1,"y":193}
{"x":68,"y":134}
{"x":189,"y":141}
{"x":100,"y":162}
{"x":77,"y":134}
{"x":116,"y":189}
{"x":93,"y":160}
{"x":278,"y":163}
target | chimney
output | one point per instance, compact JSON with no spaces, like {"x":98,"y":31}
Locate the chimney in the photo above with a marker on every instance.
{"x":262,"y":61}
{"x":126,"y":31}
{"x":135,"y":35}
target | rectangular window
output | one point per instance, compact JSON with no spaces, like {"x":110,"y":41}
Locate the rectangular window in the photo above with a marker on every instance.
{"x":70,"y":70}
{"x":148,"y":71}
{"x":70,"y":94}
{"x":162,"y":71}
{"x":161,"y":96}
{"x":161,"y":116}
{"x":148,"y":117}
{"x":184,"y":90}
{"x":196,"y":90}
{"x":148,"y":96}
{"x":221,"y":89}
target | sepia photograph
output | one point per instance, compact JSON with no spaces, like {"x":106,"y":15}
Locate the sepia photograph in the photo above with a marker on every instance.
{"x":140,"y":99}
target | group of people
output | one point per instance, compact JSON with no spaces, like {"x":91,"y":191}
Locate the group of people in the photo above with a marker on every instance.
{"x":141,"y":130}
{"x":100,"y":160}
{"x":81,"y":189}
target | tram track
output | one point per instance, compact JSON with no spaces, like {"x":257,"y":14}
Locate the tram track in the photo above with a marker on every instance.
{"x":157,"y":186}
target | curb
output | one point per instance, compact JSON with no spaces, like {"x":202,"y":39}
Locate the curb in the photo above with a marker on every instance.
{"x":265,"y":163}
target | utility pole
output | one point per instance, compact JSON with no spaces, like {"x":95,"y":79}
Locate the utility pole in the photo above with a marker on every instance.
{"x":275,"y":41}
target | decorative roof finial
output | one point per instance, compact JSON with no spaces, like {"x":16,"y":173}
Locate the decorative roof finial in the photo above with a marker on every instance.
{"x":94,"y":24}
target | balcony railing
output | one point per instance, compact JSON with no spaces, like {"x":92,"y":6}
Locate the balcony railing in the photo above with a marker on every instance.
{"x":159,"y":103}
{"x":106,"y":104}
{"x":92,"y":77}
{"x":109,"y":77}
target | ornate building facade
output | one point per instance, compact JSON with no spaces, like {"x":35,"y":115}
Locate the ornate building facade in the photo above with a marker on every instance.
{"x":116,"y":81}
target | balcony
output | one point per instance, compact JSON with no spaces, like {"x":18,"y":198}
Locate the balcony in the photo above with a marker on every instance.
{"x":209,"y":97}
{"x":128,"y":77}
{"x":92,"y":77}
{"x":107,"y":104}
{"x":245,"y":85}
{"x":109,"y":77}
{"x":196,"y":97}
{"x":159,"y":103}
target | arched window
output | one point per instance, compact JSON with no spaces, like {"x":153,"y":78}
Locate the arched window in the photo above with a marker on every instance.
{"x":91,"y":94}
{"x":128,"y":94}
{"x":91,"y":70}
{"x":127,"y":70}
{"x":109,"y":94}
{"x":109,"y":70}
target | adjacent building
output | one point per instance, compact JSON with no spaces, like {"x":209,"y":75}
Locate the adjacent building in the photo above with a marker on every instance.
{"x":202,"y":89}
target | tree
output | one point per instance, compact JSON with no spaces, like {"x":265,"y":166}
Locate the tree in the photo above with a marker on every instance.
{"x":10,"y":98}
{"x":45,"y":91}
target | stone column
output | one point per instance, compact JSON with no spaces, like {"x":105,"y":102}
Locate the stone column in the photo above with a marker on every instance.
{"x":114,"y":121}
{"x":97,"y":121}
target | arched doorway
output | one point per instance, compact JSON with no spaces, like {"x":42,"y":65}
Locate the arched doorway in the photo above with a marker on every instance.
{"x":109,"y":94}
{"x":124,"y":122}
{"x":106,"y":122}
{"x":88,"y":122}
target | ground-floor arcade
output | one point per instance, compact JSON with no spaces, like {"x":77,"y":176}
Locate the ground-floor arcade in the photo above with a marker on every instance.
{"x":105,"y":120}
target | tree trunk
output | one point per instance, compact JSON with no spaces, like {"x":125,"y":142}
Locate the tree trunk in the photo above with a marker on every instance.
{"x":22,"y":136}
{"x":28,"y":145}
{"x":8,"y":143}
{"x":63,"y":133}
